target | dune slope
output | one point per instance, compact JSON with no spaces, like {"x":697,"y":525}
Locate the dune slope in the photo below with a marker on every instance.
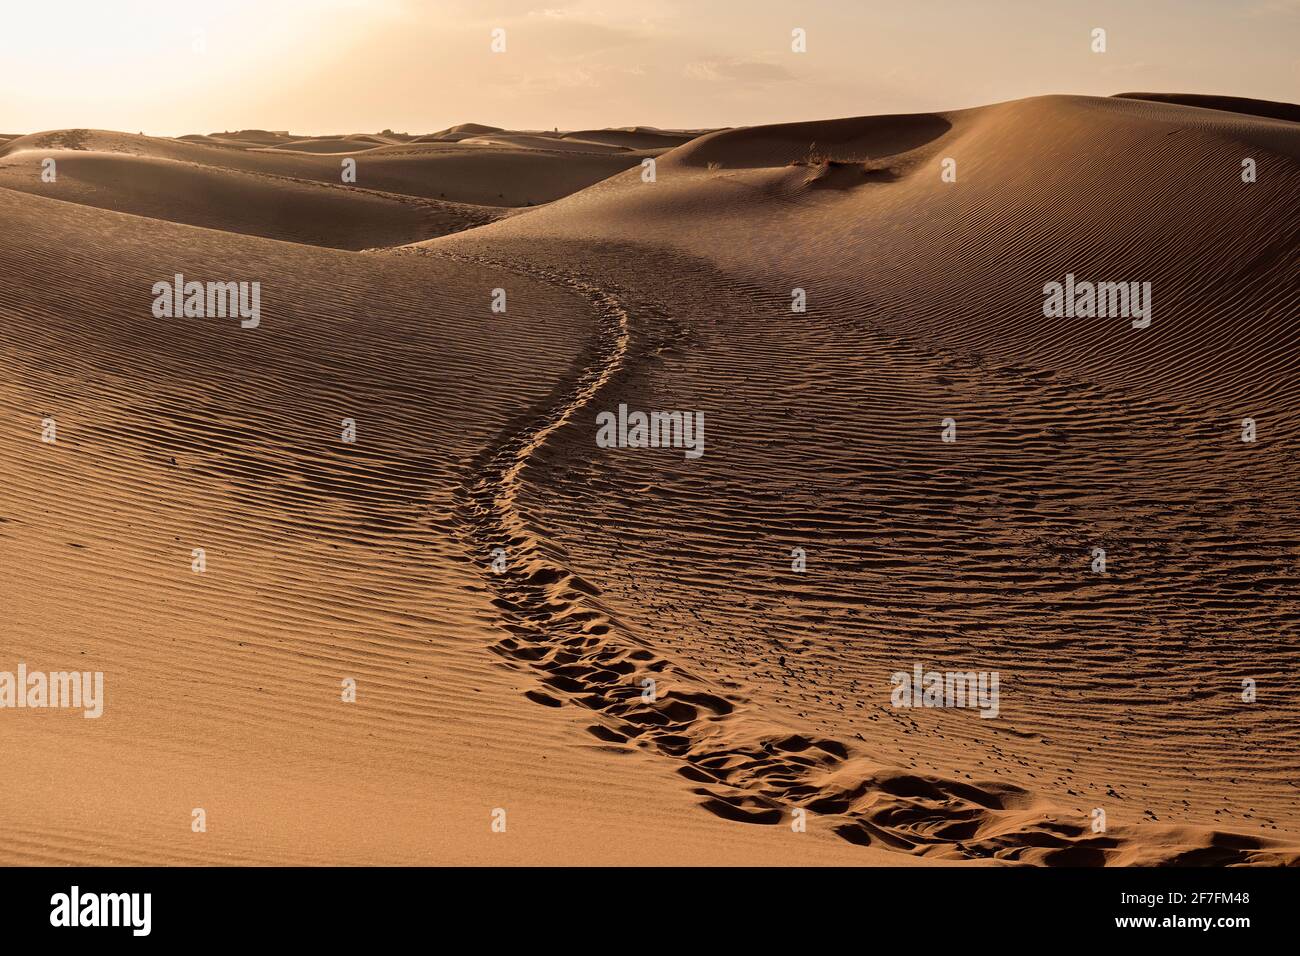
{"x":259,"y":204}
{"x":324,"y":560}
{"x":924,"y":303}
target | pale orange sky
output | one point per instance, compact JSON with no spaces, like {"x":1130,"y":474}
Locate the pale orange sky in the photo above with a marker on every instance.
{"x":169,"y":67}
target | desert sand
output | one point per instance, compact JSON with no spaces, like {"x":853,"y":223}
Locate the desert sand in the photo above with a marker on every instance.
{"x":771,"y":737}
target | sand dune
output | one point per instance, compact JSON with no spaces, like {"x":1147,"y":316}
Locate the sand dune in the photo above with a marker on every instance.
{"x":259,"y":137}
{"x":487,"y":175}
{"x":1228,"y":104}
{"x":327,"y":144}
{"x":636,"y":137}
{"x":924,"y":303}
{"x":540,"y":141}
{"x":257,"y":204}
{"x":324,"y":560}
{"x":639,"y":139}
{"x":525,"y":688}
{"x":472,"y":129}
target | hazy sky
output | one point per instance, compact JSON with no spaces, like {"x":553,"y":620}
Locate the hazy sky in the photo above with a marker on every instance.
{"x":169,"y":67}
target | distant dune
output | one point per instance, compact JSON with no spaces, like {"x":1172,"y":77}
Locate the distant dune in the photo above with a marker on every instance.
{"x":641,"y":656}
{"x":256,"y":204}
{"x":330,"y":144}
{"x":1227,"y":104}
{"x":485,"y":175}
{"x":635,"y":137}
{"x":472,"y":129}
{"x":259,"y":137}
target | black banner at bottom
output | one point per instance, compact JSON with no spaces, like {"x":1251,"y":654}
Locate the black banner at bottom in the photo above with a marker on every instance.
{"x":137,"y":906}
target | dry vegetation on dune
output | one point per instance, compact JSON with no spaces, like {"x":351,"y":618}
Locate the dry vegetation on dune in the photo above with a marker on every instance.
{"x":904,"y":461}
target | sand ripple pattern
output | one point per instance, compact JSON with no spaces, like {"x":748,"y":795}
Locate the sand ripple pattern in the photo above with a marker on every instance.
{"x":559,"y":627}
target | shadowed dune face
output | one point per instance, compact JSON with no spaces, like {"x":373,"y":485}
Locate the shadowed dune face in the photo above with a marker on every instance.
{"x":257,"y":204}
{"x":827,"y":538}
{"x":326,"y":145}
{"x":468,"y":129}
{"x":539,"y":141}
{"x":1227,"y":104}
{"x":848,"y":139}
{"x":633,"y":138}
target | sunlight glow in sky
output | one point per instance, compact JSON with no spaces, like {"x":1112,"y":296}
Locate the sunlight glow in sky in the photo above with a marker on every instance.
{"x":170,"y":67}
